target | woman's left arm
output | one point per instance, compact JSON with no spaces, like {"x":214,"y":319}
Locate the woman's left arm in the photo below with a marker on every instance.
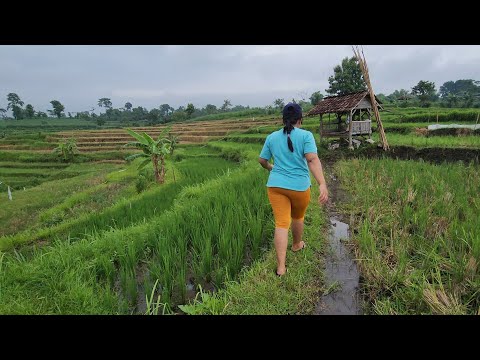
{"x":265,"y":164}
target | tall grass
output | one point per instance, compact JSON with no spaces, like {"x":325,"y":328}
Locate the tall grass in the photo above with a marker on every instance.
{"x":417,"y":234}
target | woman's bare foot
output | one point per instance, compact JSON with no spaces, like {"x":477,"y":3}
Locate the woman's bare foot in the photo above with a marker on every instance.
{"x":299,"y":246}
{"x":281,"y":271}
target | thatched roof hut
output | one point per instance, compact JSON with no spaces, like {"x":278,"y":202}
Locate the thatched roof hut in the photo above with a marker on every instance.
{"x":358,"y":110}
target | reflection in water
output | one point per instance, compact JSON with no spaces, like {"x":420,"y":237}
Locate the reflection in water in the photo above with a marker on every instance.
{"x":341,"y":276}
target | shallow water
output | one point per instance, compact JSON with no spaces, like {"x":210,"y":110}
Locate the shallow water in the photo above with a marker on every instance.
{"x":342,"y":276}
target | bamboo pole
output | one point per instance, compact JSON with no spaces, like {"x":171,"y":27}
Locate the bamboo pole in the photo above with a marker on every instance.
{"x":477,"y":118}
{"x":366,"y":77}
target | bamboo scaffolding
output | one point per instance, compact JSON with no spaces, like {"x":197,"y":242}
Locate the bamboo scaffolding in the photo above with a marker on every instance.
{"x":366,"y":77}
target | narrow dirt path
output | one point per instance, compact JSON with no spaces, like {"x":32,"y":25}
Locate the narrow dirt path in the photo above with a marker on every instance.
{"x":341,"y":272}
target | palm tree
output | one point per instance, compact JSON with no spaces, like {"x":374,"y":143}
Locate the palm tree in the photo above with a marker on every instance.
{"x":153,"y":151}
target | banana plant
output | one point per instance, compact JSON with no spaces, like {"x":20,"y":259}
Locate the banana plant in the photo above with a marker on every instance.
{"x":173,"y":139}
{"x":153,"y":151}
{"x":68,"y":149}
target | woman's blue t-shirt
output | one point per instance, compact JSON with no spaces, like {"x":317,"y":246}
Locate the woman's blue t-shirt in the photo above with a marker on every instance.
{"x":290,"y":169}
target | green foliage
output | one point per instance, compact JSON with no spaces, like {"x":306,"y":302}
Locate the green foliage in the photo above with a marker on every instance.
{"x":58,"y":108}
{"x":279,"y":104}
{"x":425,"y":91}
{"x":68,"y":148}
{"x":154,"y":151}
{"x":346,"y":78}
{"x":316,"y":97}
{"x":189,"y":110}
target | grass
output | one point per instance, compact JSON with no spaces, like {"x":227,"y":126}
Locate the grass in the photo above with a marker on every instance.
{"x":124,"y":212}
{"x":23,"y":211}
{"x":448,"y":141}
{"x":99,"y":274}
{"x":416,"y":230}
{"x":259,"y":291}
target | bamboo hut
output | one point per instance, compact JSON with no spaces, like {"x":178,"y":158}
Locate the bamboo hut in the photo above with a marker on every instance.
{"x":352,"y":114}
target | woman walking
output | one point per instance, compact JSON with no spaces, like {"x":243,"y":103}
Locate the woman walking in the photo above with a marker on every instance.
{"x":295,"y":153}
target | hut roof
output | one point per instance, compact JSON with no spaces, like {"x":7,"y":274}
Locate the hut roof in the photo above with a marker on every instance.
{"x":340,"y":103}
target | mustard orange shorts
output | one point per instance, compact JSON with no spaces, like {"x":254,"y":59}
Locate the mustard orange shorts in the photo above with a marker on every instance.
{"x":287,"y":205}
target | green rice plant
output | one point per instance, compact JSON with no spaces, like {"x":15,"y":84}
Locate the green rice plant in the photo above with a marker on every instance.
{"x":416,"y":229}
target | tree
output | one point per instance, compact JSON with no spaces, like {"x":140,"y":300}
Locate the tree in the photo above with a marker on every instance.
{"x":154,"y":115}
{"x":68,"y":149}
{"x":316,"y":97}
{"x":105,"y":102}
{"x":3,"y":113}
{"x":279,"y":103}
{"x":15,"y":104}
{"x":190,"y":109}
{"x":128,"y":106}
{"x":41,"y":114}
{"x":29,"y":112}
{"x":347,"y":78}
{"x":153,"y":151}
{"x":166,"y":111}
{"x":226,"y":104}
{"x":210,"y":109}
{"x":179,"y":115}
{"x":57,"y":108}
{"x":425,"y":91}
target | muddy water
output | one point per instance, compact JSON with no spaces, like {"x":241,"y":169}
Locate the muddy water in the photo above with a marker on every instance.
{"x":342,"y":276}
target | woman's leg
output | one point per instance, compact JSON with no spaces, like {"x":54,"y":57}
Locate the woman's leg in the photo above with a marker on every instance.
{"x":281,"y":243}
{"x":297,"y":232}
{"x":281,"y":207}
{"x":300,"y":201}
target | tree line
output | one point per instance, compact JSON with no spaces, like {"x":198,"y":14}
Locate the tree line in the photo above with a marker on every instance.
{"x":347,"y":78}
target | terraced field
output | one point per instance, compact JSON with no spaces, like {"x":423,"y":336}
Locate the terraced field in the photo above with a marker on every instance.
{"x":199,"y":132}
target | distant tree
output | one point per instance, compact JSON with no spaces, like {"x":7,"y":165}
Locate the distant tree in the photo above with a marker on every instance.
{"x":179,"y":115}
{"x":279,"y":103}
{"x":101,"y":121}
{"x":425,"y":91}
{"x":316,"y":97}
{"x":383,"y":98}
{"x":57,"y":108}
{"x":166,"y":112}
{"x":190,"y":109}
{"x":29,"y":112}
{"x":346,"y":78}
{"x":105,"y":102}
{"x":154,"y":115}
{"x":139,"y":113}
{"x":460,"y":87}
{"x":15,"y":104}
{"x":210,"y":109}
{"x":128,"y":106}
{"x":226,"y":105}
{"x":3,"y":113}
{"x":41,"y":114}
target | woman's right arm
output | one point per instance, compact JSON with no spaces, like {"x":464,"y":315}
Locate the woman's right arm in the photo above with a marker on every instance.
{"x":315,"y":167}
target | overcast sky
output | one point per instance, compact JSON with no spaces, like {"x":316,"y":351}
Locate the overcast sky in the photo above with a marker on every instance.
{"x":78,"y":75}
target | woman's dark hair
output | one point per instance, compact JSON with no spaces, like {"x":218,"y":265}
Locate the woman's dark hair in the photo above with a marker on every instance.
{"x":291,"y":114}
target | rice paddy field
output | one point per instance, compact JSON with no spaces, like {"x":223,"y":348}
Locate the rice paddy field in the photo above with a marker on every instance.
{"x":97,"y":236}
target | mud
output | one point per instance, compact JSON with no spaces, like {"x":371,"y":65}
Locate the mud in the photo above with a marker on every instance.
{"x":432,"y":155}
{"x":341,"y":296}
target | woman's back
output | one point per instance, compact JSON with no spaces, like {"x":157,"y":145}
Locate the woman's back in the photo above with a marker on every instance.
{"x":291,"y":169}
